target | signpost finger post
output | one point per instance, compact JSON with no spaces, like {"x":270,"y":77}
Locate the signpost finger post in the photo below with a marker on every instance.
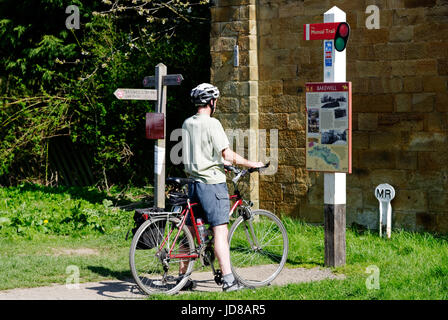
{"x":155,"y":122}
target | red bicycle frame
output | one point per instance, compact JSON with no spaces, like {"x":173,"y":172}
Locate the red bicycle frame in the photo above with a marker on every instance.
{"x":189,"y":208}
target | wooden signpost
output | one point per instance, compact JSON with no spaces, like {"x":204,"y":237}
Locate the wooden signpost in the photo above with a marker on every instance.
{"x":155,"y":122}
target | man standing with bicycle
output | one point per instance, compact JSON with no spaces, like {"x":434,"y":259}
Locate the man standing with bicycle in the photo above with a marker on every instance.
{"x":205,"y":149}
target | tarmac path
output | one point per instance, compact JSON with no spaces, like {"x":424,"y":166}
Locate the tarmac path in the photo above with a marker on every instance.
{"x":124,"y":290}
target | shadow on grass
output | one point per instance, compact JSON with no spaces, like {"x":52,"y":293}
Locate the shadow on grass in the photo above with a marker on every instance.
{"x":122,"y":290}
{"x":89,"y":194}
{"x":304,"y":262}
{"x":108,"y":273}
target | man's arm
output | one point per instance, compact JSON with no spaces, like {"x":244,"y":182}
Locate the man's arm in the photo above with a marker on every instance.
{"x":235,"y":158}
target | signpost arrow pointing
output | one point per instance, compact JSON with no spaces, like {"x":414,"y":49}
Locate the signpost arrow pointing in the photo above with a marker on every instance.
{"x":149,"y":81}
{"x":320,"y":31}
{"x":168,"y":80}
{"x":136,"y":94}
{"x":172,"y":79}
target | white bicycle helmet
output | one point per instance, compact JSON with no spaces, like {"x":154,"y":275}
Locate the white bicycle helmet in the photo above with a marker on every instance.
{"x":203,"y":94}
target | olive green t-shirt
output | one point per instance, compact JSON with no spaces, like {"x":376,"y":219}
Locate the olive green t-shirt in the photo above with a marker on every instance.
{"x":203,"y":139}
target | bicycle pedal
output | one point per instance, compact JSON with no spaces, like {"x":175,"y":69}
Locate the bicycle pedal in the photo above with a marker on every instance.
{"x":218,"y":277}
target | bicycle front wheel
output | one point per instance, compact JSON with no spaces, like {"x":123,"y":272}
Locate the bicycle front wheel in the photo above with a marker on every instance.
{"x":159,"y":251}
{"x":258,"y":248}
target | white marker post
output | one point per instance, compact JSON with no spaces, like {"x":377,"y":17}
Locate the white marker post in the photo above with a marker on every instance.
{"x":335,"y":33}
{"x":334,"y":63}
{"x":385,"y":193}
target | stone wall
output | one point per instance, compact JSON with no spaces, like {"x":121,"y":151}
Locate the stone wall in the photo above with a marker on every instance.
{"x":400,"y":102}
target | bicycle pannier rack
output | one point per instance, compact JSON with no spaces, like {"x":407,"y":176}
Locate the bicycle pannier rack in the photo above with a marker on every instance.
{"x":153,"y":235}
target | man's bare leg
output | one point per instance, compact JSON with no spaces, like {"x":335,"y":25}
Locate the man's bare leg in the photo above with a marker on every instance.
{"x":222,"y":250}
{"x":183,"y":265}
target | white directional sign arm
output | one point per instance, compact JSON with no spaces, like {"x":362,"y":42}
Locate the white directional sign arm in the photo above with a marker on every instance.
{"x":136,"y":94}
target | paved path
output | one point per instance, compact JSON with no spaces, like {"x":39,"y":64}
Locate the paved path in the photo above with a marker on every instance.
{"x":117,"y":289}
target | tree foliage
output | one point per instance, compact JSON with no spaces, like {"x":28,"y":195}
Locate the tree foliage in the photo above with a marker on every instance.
{"x":56,"y":81}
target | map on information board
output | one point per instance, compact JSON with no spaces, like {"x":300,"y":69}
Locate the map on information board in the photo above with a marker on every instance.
{"x":328,"y":126}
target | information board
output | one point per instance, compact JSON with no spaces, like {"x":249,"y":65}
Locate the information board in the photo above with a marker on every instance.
{"x":328,"y":126}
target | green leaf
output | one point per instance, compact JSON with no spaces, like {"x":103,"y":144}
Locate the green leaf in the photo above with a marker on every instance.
{"x":4,"y":221}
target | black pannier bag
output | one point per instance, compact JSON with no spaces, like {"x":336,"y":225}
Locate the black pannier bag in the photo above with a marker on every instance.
{"x":153,"y":235}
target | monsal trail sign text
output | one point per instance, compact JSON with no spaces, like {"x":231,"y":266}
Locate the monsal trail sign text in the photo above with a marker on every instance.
{"x":328,"y":127}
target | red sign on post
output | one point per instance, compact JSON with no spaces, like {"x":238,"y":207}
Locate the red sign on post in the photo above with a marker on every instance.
{"x":155,"y":126}
{"x":320,"y":31}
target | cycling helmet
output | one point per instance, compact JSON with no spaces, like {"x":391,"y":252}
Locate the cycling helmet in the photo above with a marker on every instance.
{"x":203,"y":94}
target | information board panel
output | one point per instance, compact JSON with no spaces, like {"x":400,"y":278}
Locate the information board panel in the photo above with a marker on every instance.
{"x":328,"y":126}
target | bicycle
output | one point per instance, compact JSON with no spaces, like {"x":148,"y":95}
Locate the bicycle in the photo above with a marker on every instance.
{"x":258,"y":243}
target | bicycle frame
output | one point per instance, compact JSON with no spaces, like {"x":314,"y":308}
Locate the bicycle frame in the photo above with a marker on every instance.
{"x":189,"y":210}
{"x":186,"y":251}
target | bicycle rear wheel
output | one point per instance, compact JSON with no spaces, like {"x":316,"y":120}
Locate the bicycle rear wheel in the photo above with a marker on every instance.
{"x":258,"y":248}
{"x":153,"y":269}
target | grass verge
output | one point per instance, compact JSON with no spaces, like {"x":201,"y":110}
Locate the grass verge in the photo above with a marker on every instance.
{"x":408,"y":266}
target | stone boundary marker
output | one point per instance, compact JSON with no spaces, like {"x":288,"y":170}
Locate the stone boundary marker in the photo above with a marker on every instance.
{"x":124,"y":290}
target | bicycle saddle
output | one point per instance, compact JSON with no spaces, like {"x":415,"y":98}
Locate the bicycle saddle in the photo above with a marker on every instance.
{"x":179,"y":181}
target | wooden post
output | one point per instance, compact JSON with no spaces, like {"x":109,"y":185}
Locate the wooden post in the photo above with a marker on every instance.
{"x":160,"y":145}
{"x":334,"y":218}
{"x":335,"y":183}
{"x":160,"y":80}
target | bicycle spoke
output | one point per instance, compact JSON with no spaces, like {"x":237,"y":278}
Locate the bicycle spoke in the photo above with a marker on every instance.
{"x":156,"y":269}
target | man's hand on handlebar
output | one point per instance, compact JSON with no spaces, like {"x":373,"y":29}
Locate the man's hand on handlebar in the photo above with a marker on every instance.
{"x":231,"y":158}
{"x":263,"y":166}
{"x":253,"y":164}
{"x":259,"y":165}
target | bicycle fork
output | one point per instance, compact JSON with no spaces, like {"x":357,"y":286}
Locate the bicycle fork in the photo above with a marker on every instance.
{"x":250,"y":234}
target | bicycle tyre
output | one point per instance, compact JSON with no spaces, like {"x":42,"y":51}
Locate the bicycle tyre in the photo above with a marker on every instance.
{"x":258,"y":266}
{"x":146,"y":265}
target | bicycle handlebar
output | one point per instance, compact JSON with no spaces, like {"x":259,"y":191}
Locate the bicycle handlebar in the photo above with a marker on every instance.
{"x":258,"y":169}
{"x":242,"y":172}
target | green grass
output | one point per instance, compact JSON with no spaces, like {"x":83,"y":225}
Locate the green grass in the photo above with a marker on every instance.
{"x":27,"y":263}
{"x":411,"y":265}
{"x":29,"y":211}
{"x":37,"y":223}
